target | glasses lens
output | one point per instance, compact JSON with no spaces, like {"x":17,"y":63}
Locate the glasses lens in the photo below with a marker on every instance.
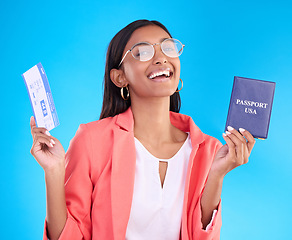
{"x":143,"y":51}
{"x":172,"y":47}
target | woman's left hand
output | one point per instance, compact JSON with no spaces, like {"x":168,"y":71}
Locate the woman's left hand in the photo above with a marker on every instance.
{"x":234,"y":153}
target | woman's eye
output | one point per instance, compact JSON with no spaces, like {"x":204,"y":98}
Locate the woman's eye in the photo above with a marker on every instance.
{"x":142,"y":51}
{"x":169,"y":49}
{"x":138,"y":54}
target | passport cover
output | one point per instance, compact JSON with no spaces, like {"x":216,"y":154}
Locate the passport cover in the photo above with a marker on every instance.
{"x":251,"y":105}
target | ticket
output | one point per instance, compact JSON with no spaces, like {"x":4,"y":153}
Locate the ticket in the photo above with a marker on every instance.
{"x":41,"y":98}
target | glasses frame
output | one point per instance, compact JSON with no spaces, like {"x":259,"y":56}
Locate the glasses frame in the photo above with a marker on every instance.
{"x":154,"y":44}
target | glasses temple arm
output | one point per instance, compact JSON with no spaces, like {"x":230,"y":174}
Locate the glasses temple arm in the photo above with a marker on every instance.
{"x":181,"y":48}
{"x":123,"y":58}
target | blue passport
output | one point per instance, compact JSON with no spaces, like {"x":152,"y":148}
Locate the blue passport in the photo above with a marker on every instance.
{"x":251,"y":106}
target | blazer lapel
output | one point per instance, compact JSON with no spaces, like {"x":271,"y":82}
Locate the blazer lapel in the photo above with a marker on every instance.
{"x":123,"y":173}
{"x":186,"y":124}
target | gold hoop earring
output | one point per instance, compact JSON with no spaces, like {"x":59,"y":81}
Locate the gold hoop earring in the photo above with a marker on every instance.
{"x":122,"y":93}
{"x":182,"y":84}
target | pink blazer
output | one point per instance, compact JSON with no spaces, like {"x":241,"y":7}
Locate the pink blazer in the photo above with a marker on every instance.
{"x":100,"y":171}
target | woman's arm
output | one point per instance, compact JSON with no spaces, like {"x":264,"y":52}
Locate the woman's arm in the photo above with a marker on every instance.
{"x":234,"y":153}
{"x":210,"y":198}
{"x":56,"y":204}
{"x":50,"y":154}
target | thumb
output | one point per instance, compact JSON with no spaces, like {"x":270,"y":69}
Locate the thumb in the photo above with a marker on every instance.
{"x":32,"y":122}
{"x":223,"y":151}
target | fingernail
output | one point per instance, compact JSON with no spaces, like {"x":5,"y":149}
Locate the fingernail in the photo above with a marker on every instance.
{"x":224,"y":134}
{"x":52,"y":141}
{"x":241,"y":129}
{"x":230,"y":128}
{"x":51,"y":145}
{"x":228,"y":133}
{"x":47,"y":133}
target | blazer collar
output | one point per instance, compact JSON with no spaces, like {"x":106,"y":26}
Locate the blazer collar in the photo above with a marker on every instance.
{"x":186,"y":124}
{"x":183,"y":122}
{"x":125,"y":120}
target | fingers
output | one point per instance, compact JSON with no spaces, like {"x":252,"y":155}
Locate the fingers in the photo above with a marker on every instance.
{"x":243,"y":142}
{"x":236,"y":133}
{"x":40,"y":135}
{"x":250,"y":139}
{"x":239,"y":146}
{"x":236,"y":147}
{"x":35,"y":129}
{"x":231,"y":146}
{"x":44,"y":139}
{"x":41,"y":143}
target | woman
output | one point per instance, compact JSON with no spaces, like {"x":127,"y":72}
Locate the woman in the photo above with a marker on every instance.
{"x":143,"y":171}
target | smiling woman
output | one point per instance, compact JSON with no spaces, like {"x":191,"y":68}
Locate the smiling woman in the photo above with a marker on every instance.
{"x":117,"y":52}
{"x":143,"y":171}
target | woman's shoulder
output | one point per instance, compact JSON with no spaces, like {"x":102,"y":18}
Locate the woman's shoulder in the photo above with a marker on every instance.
{"x":211,"y":140}
{"x":95,"y":128}
{"x":99,"y":124}
{"x":187,"y":124}
{"x":123,"y":119}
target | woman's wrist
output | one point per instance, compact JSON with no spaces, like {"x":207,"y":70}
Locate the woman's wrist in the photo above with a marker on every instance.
{"x":216,"y":175}
{"x":55,"y":172}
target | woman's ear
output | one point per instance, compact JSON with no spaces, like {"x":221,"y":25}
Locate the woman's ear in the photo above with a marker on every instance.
{"x":118,"y":78}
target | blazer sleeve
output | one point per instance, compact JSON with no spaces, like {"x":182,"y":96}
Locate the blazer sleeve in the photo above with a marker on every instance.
{"x":213,"y":232}
{"x":78,"y":188}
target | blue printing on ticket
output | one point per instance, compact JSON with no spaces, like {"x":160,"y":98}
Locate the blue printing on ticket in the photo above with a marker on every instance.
{"x":44,"y":109}
{"x":29,"y":97}
{"x":49,"y":94}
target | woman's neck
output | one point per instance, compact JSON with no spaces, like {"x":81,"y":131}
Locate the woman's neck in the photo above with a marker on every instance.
{"x":152,"y":120}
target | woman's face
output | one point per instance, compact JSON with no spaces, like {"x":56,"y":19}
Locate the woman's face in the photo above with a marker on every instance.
{"x":139,"y":75}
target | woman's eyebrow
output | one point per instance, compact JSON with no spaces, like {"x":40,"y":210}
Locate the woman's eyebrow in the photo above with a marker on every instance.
{"x":162,"y":39}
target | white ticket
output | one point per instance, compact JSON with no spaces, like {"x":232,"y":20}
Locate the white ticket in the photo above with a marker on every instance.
{"x":41,"y":99}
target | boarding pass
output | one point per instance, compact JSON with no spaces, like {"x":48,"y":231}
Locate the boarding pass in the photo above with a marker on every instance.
{"x":41,"y":99}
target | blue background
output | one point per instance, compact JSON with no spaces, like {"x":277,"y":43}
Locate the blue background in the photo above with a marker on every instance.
{"x":248,"y":38}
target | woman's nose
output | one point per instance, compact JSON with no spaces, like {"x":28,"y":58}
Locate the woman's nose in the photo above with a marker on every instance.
{"x":159,"y":57}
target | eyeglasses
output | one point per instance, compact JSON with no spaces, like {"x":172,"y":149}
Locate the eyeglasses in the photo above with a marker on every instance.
{"x":144,"y":51}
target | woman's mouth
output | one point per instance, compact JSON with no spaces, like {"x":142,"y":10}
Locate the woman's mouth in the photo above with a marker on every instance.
{"x":161,"y":75}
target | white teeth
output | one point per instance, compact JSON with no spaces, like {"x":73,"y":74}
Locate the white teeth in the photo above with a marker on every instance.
{"x":165,"y":72}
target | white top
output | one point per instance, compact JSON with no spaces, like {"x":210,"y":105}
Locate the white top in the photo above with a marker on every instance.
{"x":156,"y":211}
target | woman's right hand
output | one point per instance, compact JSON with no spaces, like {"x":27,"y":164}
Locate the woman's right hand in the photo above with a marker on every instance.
{"x":46,"y":149}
